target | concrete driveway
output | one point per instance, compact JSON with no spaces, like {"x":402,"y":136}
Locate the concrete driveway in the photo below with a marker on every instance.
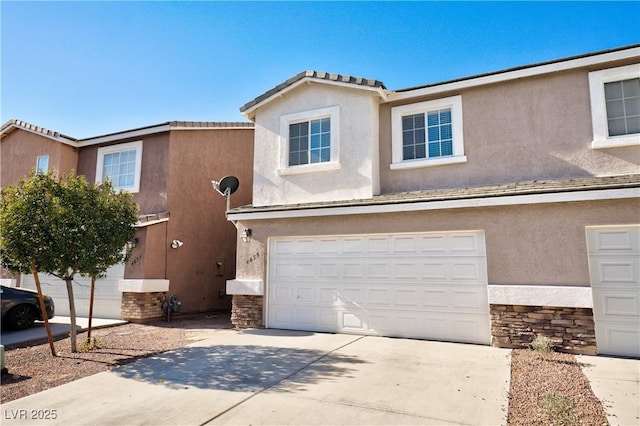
{"x":286,"y":377}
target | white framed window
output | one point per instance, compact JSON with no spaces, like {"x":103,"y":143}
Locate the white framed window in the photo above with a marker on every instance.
{"x":121,"y":164}
{"x":310,"y":141}
{"x":42,"y":164}
{"x":427,"y":134}
{"x":615,"y":106}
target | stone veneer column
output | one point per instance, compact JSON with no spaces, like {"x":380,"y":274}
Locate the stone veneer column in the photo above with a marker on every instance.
{"x":570,"y":329}
{"x":142,"y":298}
{"x":139,"y":307}
{"x":247,"y":305}
{"x":247,"y":311}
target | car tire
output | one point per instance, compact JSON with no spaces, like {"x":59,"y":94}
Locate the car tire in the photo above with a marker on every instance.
{"x":22,"y":316}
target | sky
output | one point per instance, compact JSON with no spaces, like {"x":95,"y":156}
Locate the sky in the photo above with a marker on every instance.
{"x":91,"y":68}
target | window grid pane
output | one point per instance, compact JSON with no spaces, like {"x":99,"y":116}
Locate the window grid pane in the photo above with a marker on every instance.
{"x":623,"y":106}
{"x":42,"y":164}
{"x":310,"y":142}
{"x":298,"y":143}
{"x":120,"y":168}
{"x":413,"y":137}
{"x":440,"y":133}
{"x":320,"y":140}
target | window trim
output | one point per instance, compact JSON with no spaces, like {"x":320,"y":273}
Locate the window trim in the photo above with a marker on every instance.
{"x":452,"y":102}
{"x":333,"y":113}
{"x":112,"y":149}
{"x":45,"y":170}
{"x":597,"y":79}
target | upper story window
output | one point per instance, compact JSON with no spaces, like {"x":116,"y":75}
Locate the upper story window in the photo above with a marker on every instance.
{"x":615,"y":106}
{"x":121,"y":164}
{"x":310,"y":141}
{"x":427,"y":134}
{"x":42,"y":164}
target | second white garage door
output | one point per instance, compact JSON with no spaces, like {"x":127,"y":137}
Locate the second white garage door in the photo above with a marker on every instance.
{"x":427,"y":285}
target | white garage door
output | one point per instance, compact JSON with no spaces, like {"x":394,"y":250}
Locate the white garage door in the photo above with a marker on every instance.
{"x":427,"y":286}
{"x":614,"y":266}
{"x":107,"y":298}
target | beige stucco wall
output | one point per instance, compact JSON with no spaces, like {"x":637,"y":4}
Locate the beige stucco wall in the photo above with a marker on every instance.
{"x":535,"y":128}
{"x":198,"y":213}
{"x":20,"y":149}
{"x":358,"y":175}
{"x":537,"y":244}
{"x":152,"y":197}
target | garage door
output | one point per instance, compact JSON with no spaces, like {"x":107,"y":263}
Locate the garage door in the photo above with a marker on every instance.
{"x":614,"y":266}
{"x":107,"y":299}
{"x":426,"y":286}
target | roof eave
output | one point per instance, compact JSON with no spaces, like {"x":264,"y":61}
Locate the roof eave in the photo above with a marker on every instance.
{"x":249,"y":111}
{"x":14,"y":124}
{"x":517,"y":73}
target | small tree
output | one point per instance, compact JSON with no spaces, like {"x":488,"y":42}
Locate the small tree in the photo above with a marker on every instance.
{"x":28,"y":214}
{"x":109,"y":233}
{"x":85,"y":230}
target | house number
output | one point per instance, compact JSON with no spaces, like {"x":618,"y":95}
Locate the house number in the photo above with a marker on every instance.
{"x":253,"y":258}
{"x":136,"y":259}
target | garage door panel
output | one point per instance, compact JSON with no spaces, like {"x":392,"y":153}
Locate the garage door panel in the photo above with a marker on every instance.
{"x":620,"y":270}
{"x":613,"y":240}
{"x":108,"y":298}
{"x":618,"y":303}
{"x":418,"y":285}
{"x":619,"y":339}
{"x":614,"y":268}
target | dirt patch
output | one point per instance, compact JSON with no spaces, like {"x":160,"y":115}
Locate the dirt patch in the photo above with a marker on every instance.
{"x":551,"y":390}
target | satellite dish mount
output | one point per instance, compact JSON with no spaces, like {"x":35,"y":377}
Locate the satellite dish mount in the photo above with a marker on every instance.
{"x":226,"y":186}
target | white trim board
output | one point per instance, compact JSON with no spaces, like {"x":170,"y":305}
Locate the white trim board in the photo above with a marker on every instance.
{"x":541,"y":295}
{"x":557,"y":197}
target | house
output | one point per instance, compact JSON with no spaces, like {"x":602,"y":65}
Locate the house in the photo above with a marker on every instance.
{"x":486,"y":209}
{"x":184,"y":245}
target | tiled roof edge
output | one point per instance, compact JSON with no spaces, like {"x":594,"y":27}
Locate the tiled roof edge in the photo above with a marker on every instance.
{"x":316,"y":75}
{"x":211,"y":124}
{"x":36,"y":129}
{"x":518,"y":68}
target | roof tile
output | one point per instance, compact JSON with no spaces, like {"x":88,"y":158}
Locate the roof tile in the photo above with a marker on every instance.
{"x":501,"y":190}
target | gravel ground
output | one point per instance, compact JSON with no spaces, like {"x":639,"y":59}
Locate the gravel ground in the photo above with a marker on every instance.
{"x":544,"y":390}
{"x":551,"y":390}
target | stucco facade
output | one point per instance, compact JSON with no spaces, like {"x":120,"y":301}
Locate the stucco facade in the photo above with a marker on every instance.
{"x":514,"y":236}
{"x":20,"y":149}
{"x":519,"y":127}
{"x":526,"y":177}
{"x":356,"y":172}
{"x":176,"y":200}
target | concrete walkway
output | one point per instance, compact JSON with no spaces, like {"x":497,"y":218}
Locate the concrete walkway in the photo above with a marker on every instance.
{"x":616,"y":383}
{"x":59,"y":328}
{"x":287,"y":377}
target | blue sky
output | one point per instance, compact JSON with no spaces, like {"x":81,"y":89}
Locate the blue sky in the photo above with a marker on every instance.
{"x":90,"y":68}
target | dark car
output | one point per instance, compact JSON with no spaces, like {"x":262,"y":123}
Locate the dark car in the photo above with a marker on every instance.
{"x":21,"y":307}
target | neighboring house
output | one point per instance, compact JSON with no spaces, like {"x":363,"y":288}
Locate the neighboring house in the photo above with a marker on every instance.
{"x":486,"y":209}
{"x":169,"y":168}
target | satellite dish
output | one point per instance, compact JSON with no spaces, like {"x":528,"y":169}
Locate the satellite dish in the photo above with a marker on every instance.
{"x":227,"y":185}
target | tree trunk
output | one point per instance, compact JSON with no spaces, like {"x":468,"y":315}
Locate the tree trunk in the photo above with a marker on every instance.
{"x":93,"y":289}
{"x":43,"y":308}
{"x":72,"y":314}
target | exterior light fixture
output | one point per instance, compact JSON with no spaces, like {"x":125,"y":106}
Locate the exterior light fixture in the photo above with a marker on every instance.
{"x":176,"y":244}
{"x":246,"y":235}
{"x":132,"y":244}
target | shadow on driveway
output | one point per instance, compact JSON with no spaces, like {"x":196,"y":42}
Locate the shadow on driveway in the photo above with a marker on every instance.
{"x":239,"y":368}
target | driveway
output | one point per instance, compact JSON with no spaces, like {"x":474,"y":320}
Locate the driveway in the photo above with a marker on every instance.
{"x":286,"y":377}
